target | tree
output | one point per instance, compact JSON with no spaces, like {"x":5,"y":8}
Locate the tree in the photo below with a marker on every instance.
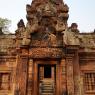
{"x":4,"y":25}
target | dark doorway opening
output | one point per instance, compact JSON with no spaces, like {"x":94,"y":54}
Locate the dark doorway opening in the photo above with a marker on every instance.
{"x":47,"y":71}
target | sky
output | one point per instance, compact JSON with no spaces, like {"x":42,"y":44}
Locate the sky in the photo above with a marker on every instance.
{"x":81,"y":12}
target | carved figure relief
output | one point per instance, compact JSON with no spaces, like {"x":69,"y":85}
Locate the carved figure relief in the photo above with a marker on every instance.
{"x":46,"y":22}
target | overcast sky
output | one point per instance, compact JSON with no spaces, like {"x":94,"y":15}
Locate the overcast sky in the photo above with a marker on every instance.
{"x":81,"y":12}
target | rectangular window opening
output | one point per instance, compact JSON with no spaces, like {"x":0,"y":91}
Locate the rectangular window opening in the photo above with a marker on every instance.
{"x":4,"y":81}
{"x":89,"y":82}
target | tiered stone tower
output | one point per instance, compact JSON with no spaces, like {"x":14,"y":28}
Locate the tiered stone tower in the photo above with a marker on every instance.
{"x":40,"y":40}
{"x":46,"y":18}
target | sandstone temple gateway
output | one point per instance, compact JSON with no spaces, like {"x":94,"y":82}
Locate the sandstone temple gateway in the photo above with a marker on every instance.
{"x":45,"y":56}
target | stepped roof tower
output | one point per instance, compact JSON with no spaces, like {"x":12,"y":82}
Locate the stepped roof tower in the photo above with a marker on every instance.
{"x":46,"y":17}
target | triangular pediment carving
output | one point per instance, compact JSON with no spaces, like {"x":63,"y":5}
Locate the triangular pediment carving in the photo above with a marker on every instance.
{"x":43,"y":33}
{"x":46,"y":22}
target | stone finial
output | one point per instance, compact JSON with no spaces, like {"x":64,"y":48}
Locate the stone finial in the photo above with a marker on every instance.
{"x":21,"y":23}
{"x":74,"y":27}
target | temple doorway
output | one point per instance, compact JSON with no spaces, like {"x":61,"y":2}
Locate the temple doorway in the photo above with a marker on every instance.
{"x":47,"y":71}
{"x":47,"y":79}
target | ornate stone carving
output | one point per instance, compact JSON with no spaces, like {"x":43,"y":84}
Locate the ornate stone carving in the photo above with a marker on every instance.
{"x":45,"y":53}
{"x":46,"y":19}
{"x":21,"y":29}
{"x":22,"y":35}
{"x":71,"y":35}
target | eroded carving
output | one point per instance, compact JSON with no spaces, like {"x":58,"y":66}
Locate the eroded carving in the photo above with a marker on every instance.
{"x":46,"y":20}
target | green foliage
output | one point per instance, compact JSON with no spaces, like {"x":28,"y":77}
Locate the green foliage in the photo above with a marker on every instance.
{"x":4,"y":24}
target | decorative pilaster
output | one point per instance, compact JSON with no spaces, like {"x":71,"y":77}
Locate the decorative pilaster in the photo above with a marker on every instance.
{"x":81,"y":83}
{"x":70,"y":81}
{"x":30,"y":78}
{"x":57,"y":80}
{"x":21,"y":73}
{"x":23,"y":77}
{"x":35,"y":89}
{"x":77,"y":78}
{"x":63,"y":77}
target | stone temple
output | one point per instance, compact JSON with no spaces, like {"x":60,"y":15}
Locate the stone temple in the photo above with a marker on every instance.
{"x":45,"y":56}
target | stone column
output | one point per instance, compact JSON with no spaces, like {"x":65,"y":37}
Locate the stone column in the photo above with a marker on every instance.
{"x":52,"y":73}
{"x":41,"y":73}
{"x":81,"y":83}
{"x":21,"y":76}
{"x":16,"y":79}
{"x":57,"y":80}
{"x":69,"y":70}
{"x":35,"y":92}
{"x":63,"y":77}
{"x":30,"y":78}
{"x":77,"y":79}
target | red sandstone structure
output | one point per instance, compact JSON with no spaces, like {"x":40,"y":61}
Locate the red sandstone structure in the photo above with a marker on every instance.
{"x":46,"y":57}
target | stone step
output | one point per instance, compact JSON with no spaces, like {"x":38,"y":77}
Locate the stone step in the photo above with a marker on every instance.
{"x":43,"y":88}
{"x":46,"y":94}
{"x":47,"y":83}
{"x":47,"y":87}
{"x":50,"y":89}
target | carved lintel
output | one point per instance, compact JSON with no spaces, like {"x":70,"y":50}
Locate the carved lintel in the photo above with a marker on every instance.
{"x":46,"y":53}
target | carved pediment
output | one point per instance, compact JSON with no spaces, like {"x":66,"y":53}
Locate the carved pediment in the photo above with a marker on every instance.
{"x":46,"y":21}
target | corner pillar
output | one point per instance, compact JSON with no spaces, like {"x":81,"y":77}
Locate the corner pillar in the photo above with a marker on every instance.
{"x":21,"y":74}
{"x":70,"y":79}
{"x":63,"y":89}
{"x":77,"y":76}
